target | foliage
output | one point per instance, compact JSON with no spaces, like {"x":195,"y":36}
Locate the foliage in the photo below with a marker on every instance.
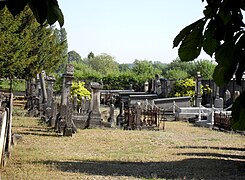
{"x":184,"y":87}
{"x":74,"y":56}
{"x":206,"y":68}
{"x":143,"y":67}
{"x":78,"y":89}
{"x":103,"y":63}
{"x":18,"y":84}
{"x":85,"y":73}
{"x":221,"y":33}
{"x":26,"y":47}
{"x":176,"y":74}
{"x":43,"y":10}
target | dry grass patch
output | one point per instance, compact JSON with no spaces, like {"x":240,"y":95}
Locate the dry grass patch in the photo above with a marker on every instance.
{"x":180,"y":152}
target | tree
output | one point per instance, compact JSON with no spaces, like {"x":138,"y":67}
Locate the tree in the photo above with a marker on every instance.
{"x":43,"y":10}
{"x":220,"y":33}
{"x":143,"y":67}
{"x":91,"y":55}
{"x":26,"y":47}
{"x":74,"y":56}
{"x":103,"y":63}
{"x":176,"y":74}
{"x":206,"y":68}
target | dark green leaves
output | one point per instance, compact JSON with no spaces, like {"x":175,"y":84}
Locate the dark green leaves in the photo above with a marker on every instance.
{"x":226,"y":63}
{"x":191,"y":45}
{"x":238,"y":113}
{"x":42,"y":9}
{"x":210,"y":44}
{"x":47,"y":9}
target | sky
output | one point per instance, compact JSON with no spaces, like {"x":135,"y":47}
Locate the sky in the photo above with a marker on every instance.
{"x":128,"y":29}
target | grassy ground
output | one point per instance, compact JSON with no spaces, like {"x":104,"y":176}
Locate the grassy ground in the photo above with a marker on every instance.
{"x":180,"y":152}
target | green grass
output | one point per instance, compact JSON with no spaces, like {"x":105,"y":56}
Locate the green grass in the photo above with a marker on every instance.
{"x":182,"y":151}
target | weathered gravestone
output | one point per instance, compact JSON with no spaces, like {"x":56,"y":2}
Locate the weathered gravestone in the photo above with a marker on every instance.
{"x":94,"y":119}
{"x":198,"y":95}
{"x":66,"y":110}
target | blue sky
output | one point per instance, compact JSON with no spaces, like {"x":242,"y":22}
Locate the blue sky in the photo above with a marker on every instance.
{"x":128,"y":29}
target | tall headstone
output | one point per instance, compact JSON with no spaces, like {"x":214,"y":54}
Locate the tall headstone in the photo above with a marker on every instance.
{"x":95,"y":115}
{"x":120,"y":117}
{"x":50,"y":110}
{"x":198,"y":95}
{"x":218,"y":102}
{"x":165,"y":87}
{"x":67,"y":82}
{"x":44,"y":93}
{"x":66,"y":89}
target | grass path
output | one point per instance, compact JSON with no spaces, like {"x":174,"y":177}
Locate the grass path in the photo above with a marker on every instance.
{"x":182,"y":151}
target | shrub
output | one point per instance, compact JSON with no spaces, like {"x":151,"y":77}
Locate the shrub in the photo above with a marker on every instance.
{"x":79,"y":89}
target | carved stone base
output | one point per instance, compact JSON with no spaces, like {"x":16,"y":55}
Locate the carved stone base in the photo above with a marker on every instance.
{"x":67,"y":132}
{"x":94,"y":120}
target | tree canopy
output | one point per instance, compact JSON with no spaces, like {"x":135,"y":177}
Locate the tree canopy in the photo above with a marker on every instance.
{"x":42,"y":9}
{"x":26,"y":47}
{"x":220,"y":33}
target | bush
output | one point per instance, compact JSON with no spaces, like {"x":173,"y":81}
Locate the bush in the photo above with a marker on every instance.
{"x":185,"y":87}
{"x":79,"y":89}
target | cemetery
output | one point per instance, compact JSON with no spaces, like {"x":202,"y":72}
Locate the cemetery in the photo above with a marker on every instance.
{"x":67,"y":117}
{"x":151,"y":110}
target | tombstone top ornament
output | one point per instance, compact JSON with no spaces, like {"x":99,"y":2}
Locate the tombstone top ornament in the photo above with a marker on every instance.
{"x":96,"y":85}
{"x":69,"y":69}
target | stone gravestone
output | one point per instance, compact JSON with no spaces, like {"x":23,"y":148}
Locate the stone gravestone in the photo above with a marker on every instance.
{"x":218,"y":102}
{"x":146,"y":87}
{"x":44,"y":95}
{"x":120,"y":117}
{"x":66,"y":89}
{"x":198,"y":95}
{"x":111,"y":118}
{"x":51,"y":107}
{"x":94,"y":119}
{"x":227,"y":98}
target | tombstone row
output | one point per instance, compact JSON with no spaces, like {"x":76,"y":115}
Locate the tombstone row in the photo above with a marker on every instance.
{"x":64,"y":113}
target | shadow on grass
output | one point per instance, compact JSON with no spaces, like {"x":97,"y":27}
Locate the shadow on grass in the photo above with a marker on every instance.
{"x":40,"y":134}
{"x":208,"y":147}
{"x":193,"y":168}
{"x":214,"y":155}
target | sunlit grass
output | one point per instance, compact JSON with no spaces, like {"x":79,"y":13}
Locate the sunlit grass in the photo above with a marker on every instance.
{"x":181,"y":151}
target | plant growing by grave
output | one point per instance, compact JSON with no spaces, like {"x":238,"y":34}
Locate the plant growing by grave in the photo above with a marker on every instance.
{"x":220,"y":33}
{"x":184,"y":87}
{"x":78,"y":89}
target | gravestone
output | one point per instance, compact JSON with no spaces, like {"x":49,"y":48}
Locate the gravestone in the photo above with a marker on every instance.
{"x":165,"y":87}
{"x":111,"y":118}
{"x":236,"y":95}
{"x":146,"y":87}
{"x":227,"y":98}
{"x":95,"y":115}
{"x":50,"y":110}
{"x":218,"y":102}
{"x":66,"y":88}
{"x":120,"y":117}
{"x":198,"y":95}
{"x":67,"y":82}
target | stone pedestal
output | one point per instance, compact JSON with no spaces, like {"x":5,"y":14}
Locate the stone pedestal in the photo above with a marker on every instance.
{"x":95,"y":115}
